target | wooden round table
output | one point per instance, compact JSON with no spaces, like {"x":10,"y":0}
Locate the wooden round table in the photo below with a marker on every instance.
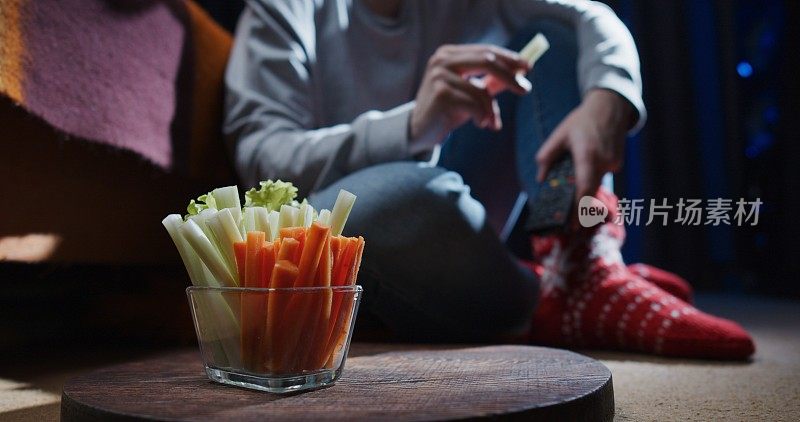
{"x":380,"y":382}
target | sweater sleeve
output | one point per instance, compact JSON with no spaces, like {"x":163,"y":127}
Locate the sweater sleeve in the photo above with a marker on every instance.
{"x":607,"y":55}
{"x":269,"y":106}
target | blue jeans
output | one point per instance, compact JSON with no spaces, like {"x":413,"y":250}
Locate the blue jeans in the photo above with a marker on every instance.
{"x":433,"y":268}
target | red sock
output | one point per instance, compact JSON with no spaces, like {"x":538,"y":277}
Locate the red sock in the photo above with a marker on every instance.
{"x":669,"y":282}
{"x":590,"y":299}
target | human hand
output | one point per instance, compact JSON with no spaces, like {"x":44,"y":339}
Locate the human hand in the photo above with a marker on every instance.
{"x":447,"y":97}
{"x":594,"y":133}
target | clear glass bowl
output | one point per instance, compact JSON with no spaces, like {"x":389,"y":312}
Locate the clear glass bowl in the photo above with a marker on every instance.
{"x":276,"y":340}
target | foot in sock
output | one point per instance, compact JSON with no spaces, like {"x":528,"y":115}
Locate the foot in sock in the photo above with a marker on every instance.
{"x":590,"y":299}
{"x":669,"y":282}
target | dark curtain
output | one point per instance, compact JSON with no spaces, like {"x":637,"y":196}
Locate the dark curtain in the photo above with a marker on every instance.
{"x":720,"y":82}
{"x":721,"y":86}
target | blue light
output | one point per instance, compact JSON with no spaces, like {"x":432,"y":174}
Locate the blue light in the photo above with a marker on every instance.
{"x":744,"y":69}
{"x":768,"y":39}
{"x":771,"y":114}
{"x":760,"y":240}
{"x":759,"y":143}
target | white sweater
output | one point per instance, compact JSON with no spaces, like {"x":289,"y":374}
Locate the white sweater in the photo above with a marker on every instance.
{"x":316,"y":90}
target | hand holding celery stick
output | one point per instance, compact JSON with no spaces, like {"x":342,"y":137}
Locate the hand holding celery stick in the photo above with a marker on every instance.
{"x":449,"y":95}
{"x":532,"y":51}
{"x":494,"y":85}
{"x":274,"y":241}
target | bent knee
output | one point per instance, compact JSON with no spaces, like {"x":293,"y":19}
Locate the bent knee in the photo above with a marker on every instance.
{"x":408,"y":192}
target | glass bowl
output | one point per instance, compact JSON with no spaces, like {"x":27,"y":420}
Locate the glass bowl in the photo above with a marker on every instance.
{"x":276,"y":340}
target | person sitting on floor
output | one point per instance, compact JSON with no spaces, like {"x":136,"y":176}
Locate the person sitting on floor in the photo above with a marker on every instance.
{"x":378,"y":97}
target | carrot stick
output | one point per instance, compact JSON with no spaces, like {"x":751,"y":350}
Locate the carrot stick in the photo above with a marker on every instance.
{"x":336,"y":242}
{"x":287,"y":252}
{"x":338,"y":274}
{"x":267,"y":263}
{"x":350,"y":249}
{"x":289,"y":232}
{"x":252,"y":269}
{"x":284,"y":274}
{"x":267,"y":266}
{"x":342,"y":266}
{"x":316,"y":241}
{"x":353,"y":273}
{"x":344,"y":309}
{"x":300,"y":235}
{"x":304,"y":306}
{"x":341,"y":327}
{"x":346,"y":269}
{"x":288,"y":247}
{"x":296,"y":233}
{"x":343,"y":314}
{"x":251,"y":304}
{"x":240,"y":251}
{"x":317,"y":327}
{"x":325,"y":269}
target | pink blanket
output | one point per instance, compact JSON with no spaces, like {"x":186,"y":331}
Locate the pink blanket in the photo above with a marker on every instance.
{"x":140,"y":75}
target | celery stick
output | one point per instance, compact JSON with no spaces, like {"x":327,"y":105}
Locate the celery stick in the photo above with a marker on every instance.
{"x":208,"y":253}
{"x":295,"y":216}
{"x":288,"y":216}
{"x":306,"y":215}
{"x":249,"y":220}
{"x":219,"y":233}
{"x":534,"y":49}
{"x":228,"y":221}
{"x":324,"y":217}
{"x":262,"y":221}
{"x":219,"y":324}
{"x":274,"y":216}
{"x":201,"y":220}
{"x":227,"y":233}
{"x":228,"y":197}
{"x":233,"y":235}
{"x":341,"y":210}
{"x":191,"y":261}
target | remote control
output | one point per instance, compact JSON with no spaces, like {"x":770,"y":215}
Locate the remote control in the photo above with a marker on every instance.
{"x":551,"y":208}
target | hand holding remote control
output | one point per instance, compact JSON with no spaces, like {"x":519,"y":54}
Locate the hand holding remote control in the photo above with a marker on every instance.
{"x":594,"y":135}
{"x":552,"y":208}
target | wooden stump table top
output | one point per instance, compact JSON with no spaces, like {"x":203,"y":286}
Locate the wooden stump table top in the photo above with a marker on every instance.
{"x":390,"y":382}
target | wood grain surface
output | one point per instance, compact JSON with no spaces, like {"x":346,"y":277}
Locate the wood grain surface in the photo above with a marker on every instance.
{"x":380,"y":382}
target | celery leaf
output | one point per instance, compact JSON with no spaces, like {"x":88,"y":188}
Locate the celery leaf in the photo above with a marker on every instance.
{"x":203,"y":202}
{"x":271,"y":195}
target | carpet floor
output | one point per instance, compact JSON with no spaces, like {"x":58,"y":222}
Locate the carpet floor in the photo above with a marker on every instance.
{"x":764,"y":389}
{"x":646,"y":388}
